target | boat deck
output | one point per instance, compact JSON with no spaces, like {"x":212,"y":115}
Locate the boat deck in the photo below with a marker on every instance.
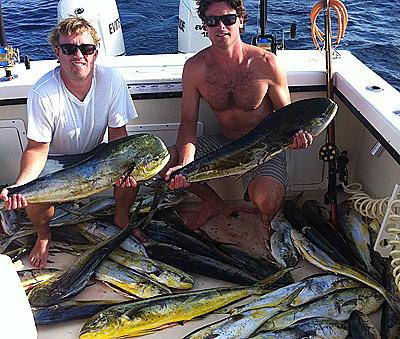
{"x":232,"y":226}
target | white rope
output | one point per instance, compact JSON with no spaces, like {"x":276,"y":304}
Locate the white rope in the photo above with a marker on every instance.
{"x":376,"y":209}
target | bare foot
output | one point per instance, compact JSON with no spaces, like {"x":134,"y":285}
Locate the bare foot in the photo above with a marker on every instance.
{"x":206,"y":212}
{"x":139,"y":235}
{"x":40,"y":252}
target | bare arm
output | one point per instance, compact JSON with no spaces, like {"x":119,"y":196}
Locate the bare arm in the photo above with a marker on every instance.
{"x":278,"y":90}
{"x":186,"y":139}
{"x":116,"y":133}
{"x":278,"y":93}
{"x":33,"y":160}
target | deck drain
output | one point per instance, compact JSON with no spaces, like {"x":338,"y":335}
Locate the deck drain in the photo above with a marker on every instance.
{"x":374,"y":88}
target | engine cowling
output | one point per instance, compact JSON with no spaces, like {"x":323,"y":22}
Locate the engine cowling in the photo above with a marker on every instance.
{"x":192,"y":34}
{"x":104,"y":18}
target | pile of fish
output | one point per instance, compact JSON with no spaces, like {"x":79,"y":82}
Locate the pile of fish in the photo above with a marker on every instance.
{"x":329,"y":305}
{"x":272,"y":305}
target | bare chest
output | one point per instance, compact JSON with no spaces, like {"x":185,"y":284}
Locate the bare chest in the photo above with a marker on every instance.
{"x":236,"y":89}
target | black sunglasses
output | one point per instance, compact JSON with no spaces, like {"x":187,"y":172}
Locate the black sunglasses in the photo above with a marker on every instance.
{"x":227,"y":20}
{"x":70,"y":49}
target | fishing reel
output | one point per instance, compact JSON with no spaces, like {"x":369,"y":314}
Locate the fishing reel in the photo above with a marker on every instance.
{"x":9,"y":56}
{"x":328,"y":152}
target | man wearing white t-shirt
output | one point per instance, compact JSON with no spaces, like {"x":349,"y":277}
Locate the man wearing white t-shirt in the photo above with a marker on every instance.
{"x":69,"y":110}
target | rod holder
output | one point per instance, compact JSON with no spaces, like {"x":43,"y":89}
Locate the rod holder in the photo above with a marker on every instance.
{"x":376,"y":150}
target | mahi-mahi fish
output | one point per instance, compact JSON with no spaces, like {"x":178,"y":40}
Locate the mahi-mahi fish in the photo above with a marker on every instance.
{"x":273,"y":135}
{"x":320,"y":259}
{"x":149,"y":315}
{"x":140,"y":155}
{"x":71,"y":282}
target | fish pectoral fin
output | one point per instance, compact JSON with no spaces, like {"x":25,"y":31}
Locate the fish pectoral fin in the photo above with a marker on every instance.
{"x":148,"y":331}
{"x":164,"y":327}
{"x":119,"y":290}
{"x":351,"y":302}
{"x":126,"y":174}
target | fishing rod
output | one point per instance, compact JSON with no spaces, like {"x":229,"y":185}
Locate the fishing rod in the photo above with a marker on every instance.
{"x":331,"y":195}
{"x":329,"y":151}
{"x":264,"y":40}
{"x":263,"y":16}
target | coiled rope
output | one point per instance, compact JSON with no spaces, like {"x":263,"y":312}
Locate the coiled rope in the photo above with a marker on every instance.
{"x":392,"y":227}
{"x":376,"y":209}
{"x":364,"y":204}
{"x":342,"y":17}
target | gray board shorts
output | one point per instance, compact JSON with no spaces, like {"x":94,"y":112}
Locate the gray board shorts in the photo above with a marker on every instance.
{"x":275,"y":167}
{"x":56,"y":163}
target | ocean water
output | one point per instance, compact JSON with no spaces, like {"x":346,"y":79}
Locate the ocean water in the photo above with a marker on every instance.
{"x":150,"y":27}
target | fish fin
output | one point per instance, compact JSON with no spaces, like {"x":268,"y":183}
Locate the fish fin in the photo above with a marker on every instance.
{"x":158,"y":197}
{"x":351,"y":302}
{"x":126,"y":175}
{"x":5,"y":243}
{"x":394,"y":302}
{"x":287,"y":302}
{"x":272,"y":279}
{"x":155,"y":329}
{"x":119,"y":290}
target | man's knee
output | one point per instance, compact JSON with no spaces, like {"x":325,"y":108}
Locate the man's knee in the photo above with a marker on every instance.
{"x":40,"y":213}
{"x":267,"y":194}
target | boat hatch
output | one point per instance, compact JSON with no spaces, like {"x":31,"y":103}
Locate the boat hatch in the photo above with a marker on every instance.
{"x":12,"y":143}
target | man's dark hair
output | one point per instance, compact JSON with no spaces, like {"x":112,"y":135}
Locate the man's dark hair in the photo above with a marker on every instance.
{"x":237,"y":5}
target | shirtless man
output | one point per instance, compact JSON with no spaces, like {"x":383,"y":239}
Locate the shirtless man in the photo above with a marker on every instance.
{"x":242,"y":84}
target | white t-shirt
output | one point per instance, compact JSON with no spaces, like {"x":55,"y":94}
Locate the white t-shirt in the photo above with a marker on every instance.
{"x":72,"y":126}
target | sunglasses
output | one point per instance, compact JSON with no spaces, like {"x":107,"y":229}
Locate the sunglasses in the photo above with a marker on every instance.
{"x":227,"y":20}
{"x":70,"y":49}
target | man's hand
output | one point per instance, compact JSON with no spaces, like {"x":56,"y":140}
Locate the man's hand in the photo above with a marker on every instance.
{"x":301,"y":140}
{"x":178,"y":181}
{"x":129,"y":182}
{"x":13,"y":202}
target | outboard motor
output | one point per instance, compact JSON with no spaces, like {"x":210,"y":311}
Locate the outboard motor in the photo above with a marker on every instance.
{"x":192,"y":34}
{"x":104,"y":18}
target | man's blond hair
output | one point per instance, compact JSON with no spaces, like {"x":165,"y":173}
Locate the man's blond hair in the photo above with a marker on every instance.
{"x":72,"y":26}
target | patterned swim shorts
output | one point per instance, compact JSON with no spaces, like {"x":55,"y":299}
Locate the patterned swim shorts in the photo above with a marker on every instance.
{"x":275,"y":167}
